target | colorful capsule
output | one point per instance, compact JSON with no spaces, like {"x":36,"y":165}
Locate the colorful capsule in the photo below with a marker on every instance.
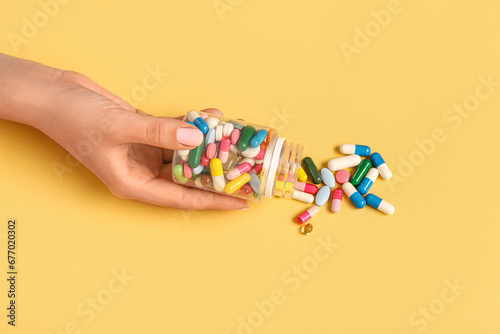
{"x":225,"y":145}
{"x":322,"y":196}
{"x":361,"y":150}
{"x":204,"y":160}
{"x":379,"y":204}
{"x":379,"y":163}
{"x":261,"y":154}
{"x":179,"y":174}
{"x":328,"y":177}
{"x":306,"y":187}
{"x":266,"y":142}
{"x":232,"y":159}
{"x":251,"y":152}
{"x":197,"y":182}
{"x":308,"y":214}
{"x":360,"y":172}
{"x":217,"y":174}
{"x":258,"y":138}
{"x":344,"y":162}
{"x":246,"y":190}
{"x":245,"y":137}
{"x":302,"y":175}
{"x":342,"y":176}
{"x":311,"y":170}
{"x":287,"y":185}
{"x":257,"y":168}
{"x":302,"y":196}
{"x":368,"y":181}
{"x":237,"y":183}
{"x":238,"y":170}
{"x":337,"y":200}
{"x":199,"y":122}
{"x":354,"y":195}
{"x":306,"y":229}
{"x":184,"y":154}
{"x":195,"y":155}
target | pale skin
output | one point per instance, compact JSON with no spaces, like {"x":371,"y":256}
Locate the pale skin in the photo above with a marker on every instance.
{"x":134,"y":151}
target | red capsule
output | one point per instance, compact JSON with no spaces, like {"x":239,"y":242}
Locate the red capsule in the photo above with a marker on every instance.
{"x":306,"y":187}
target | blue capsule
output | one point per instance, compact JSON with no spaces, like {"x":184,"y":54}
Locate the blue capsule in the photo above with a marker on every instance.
{"x":194,"y":116}
{"x":379,"y":163}
{"x":258,"y":138}
{"x":354,"y":195}
{"x":361,"y":150}
{"x":379,"y":204}
{"x":368,"y":181}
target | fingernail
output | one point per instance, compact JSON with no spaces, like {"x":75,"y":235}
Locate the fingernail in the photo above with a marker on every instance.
{"x":243,"y":209}
{"x":189,"y":136}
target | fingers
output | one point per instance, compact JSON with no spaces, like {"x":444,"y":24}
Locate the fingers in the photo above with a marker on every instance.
{"x":161,"y":191}
{"x":163,"y":132}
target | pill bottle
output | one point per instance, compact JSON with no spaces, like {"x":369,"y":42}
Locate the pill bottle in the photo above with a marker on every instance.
{"x":228,"y":143}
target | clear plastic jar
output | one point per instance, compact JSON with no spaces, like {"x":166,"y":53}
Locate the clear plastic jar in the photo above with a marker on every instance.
{"x":275,"y":167}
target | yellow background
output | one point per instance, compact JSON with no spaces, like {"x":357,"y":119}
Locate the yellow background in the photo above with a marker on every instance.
{"x":199,"y":272}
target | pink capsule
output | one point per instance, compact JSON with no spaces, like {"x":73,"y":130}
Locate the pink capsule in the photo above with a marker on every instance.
{"x":306,"y":187}
{"x":235,"y":135}
{"x":337,"y":200}
{"x":261,"y":154}
{"x":238,"y":171}
{"x":308,"y":214}
{"x":225,"y":145}
{"x":211,"y":151}
{"x":188,"y":172}
{"x":257,"y":168}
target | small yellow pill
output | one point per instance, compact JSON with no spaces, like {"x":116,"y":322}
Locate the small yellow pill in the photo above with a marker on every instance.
{"x":306,"y":229}
{"x":279,"y":186}
{"x":237,"y":183}
{"x":302,"y":175}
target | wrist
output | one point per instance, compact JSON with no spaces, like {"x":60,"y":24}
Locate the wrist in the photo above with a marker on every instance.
{"x":27,"y":91}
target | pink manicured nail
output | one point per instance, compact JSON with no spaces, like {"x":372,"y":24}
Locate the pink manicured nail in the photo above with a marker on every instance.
{"x":189,"y":136}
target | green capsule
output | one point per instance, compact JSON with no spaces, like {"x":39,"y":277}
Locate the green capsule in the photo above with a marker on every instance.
{"x":195,"y":155}
{"x":179,"y":174}
{"x":247,"y":134}
{"x":311,"y":170}
{"x":360,"y":172}
{"x":231,"y":161}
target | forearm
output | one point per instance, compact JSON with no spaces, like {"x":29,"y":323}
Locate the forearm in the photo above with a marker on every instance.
{"x":27,"y":90}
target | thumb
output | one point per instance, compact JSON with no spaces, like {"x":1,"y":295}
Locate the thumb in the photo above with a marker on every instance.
{"x":163,"y":132}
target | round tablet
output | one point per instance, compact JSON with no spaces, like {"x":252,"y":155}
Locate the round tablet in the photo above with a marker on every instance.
{"x":342,"y":176}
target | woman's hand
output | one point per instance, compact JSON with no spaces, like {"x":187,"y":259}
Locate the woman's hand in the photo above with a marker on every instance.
{"x":129,"y":150}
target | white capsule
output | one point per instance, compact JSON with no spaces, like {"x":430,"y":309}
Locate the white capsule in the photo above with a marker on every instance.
{"x":344,"y":162}
{"x":228,"y":128}
{"x":184,"y":154}
{"x":219,"y":182}
{"x":219,"y":130}
{"x":251,"y":161}
{"x":192,"y":115}
{"x":251,"y":152}
{"x":302,"y":196}
{"x":212,"y":122}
